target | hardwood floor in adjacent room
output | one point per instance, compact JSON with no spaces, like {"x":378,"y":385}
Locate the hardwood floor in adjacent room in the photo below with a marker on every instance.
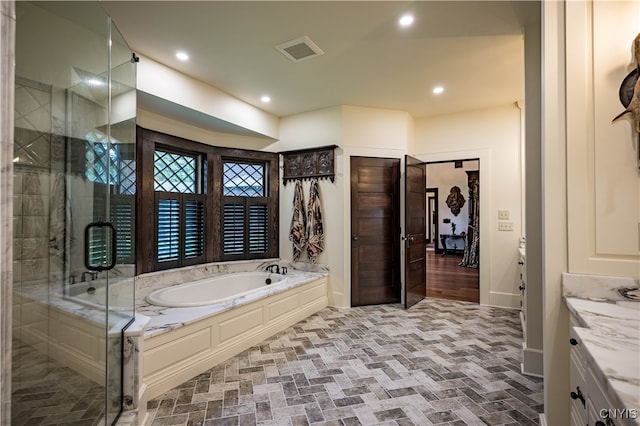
{"x":447,"y":280}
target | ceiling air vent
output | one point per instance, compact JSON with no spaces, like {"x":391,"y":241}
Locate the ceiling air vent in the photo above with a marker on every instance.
{"x":299,"y":49}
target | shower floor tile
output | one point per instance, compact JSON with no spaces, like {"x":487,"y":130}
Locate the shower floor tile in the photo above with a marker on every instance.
{"x":45,"y":392}
{"x":438,"y":363}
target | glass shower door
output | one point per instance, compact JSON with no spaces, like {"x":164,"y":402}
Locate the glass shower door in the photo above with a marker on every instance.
{"x":75,"y":184}
{"x":121,"y":216}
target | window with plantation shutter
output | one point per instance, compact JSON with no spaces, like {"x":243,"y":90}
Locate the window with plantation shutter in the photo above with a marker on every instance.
{"x":180,"y":210}
{"x":258,"y":228}
{"x":111,"y":167}
{"x":233,"y":229}
{"x":122,"y":218}
{"x":168,"y":230}
{"x":245,"y":221}
{"x":194,"y":227}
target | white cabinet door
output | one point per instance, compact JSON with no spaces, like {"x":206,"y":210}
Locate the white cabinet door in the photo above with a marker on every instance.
{"x":603,"y":183}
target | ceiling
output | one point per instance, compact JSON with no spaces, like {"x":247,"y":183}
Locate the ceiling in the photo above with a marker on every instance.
{"x":475,"y":50}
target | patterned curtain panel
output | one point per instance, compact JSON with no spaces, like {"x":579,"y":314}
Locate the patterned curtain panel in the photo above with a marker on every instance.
{"x":315,"y":231}
{"x":298,"y":223}
{"x":471,"y":259}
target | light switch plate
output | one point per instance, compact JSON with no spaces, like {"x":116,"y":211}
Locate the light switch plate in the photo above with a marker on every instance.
{"x":503,"y":214}
{"x":505,"y":226}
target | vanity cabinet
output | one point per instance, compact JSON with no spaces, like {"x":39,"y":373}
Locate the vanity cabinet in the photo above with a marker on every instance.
{"x":590,"y":403}
{"x":521,"y":279}
{"x":577,"y":379}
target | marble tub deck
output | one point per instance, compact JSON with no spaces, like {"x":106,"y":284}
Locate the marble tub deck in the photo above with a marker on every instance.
{"x":610,"y":333}
{"x":163,"y":319}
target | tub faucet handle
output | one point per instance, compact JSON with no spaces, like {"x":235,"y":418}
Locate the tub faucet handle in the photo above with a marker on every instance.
{"x":92,"y":276}
{"x":270,"y":268}
{"x":284,"y":270}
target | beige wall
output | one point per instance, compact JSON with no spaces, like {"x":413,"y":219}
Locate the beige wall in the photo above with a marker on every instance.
{"x":314,"y":129}
{"x":494,"y":136}
{"x":357,"y":131}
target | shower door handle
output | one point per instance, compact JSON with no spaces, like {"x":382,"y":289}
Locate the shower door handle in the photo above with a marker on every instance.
{"x":87,"y":252}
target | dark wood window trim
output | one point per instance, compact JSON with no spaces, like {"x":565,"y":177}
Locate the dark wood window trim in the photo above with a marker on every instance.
{"x":213,"y":159}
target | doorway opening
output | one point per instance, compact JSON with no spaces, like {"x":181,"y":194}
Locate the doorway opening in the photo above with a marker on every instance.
{"x":432,"y":218}
{"x":453,"y":241}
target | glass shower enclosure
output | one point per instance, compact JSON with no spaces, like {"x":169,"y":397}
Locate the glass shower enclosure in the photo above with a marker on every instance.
{"x":74,"y":210}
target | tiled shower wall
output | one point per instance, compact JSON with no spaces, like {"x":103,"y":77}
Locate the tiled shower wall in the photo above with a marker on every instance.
{"x":7,"y":64}
{"x":32,"y":200}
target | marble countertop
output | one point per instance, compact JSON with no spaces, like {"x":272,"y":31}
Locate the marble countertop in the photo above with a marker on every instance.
{"x":609,"y":333}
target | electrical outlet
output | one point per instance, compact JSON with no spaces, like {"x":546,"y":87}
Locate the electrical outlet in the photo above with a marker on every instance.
{"x":503,"y":214}
{"x":505,"y":226}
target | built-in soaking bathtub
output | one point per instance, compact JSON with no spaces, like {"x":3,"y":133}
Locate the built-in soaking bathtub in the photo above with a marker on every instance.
{"x":215,"y":290}
{"x":94,"y":294}
{"x":197,"y":326}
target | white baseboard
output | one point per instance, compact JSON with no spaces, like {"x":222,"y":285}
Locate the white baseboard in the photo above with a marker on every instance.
{"x":532,"y":362}
{"x":543,"y":419}
{"x":504,"y":300}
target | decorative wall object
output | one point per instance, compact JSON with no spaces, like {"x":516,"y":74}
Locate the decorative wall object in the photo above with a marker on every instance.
{"x":455,"y":200}
{"x":630,"y":89}
{"x":312,"y":163}
{"x":629,"y":94}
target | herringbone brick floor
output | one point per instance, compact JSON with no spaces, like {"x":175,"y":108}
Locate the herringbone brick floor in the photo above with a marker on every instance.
{"x":439,"y":362}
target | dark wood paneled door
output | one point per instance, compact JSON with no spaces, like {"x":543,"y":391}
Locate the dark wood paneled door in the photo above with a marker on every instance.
{"x":375,"y":231}
{"x":415,"y":247}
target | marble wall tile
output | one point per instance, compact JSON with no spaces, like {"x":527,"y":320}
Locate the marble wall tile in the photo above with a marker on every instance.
{"x":7,"y":60}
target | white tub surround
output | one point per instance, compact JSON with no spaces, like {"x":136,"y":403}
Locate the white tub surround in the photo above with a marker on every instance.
{"x":134,"y":406}
{"x":180,"y":343}
{"x":606,"y":330}
{"x":164,"y":319}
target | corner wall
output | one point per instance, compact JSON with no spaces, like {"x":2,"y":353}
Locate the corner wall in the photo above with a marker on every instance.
{"x":357,"y":131}
{"x":494,"y":136}
{"x":307,"y":130}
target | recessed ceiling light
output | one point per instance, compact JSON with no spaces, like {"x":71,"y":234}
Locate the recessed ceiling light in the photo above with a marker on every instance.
{"x":406,"y":20}
{"x":183,"y":56}
{"x":266,"y":99}
{"x":438,"y":90}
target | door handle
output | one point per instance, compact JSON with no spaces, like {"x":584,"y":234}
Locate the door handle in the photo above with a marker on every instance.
{"x":410,"y":238}
{"x":87,"y":240}
{"x":354,"y":238}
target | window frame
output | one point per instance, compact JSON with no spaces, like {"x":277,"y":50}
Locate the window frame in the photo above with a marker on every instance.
{"x":212,"y":160}
{"x":246,"y":201}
